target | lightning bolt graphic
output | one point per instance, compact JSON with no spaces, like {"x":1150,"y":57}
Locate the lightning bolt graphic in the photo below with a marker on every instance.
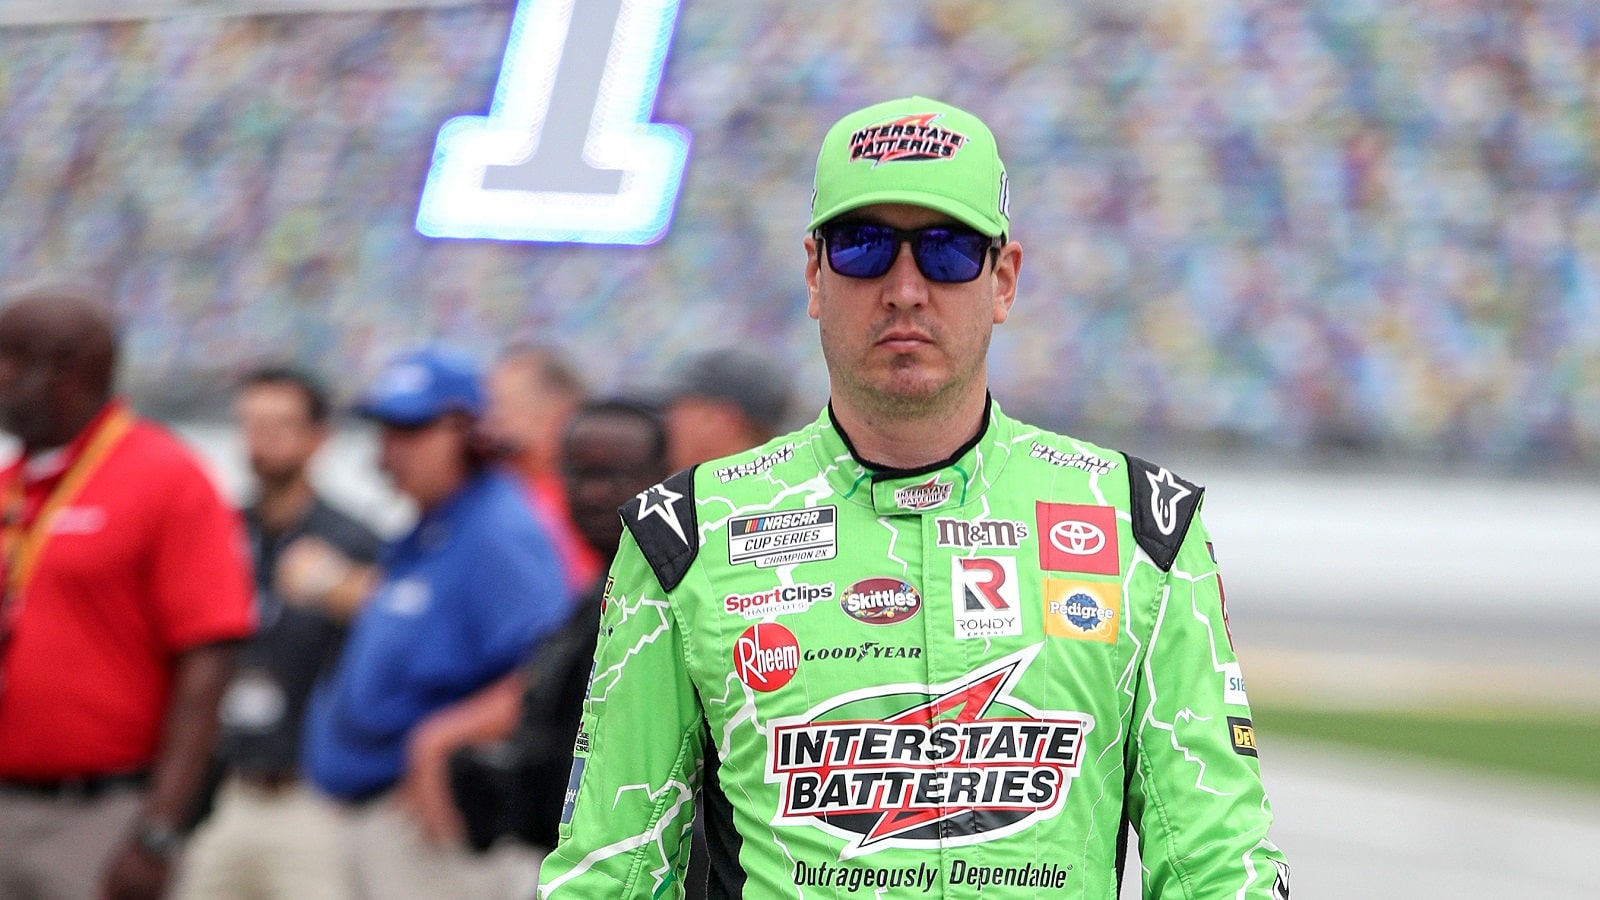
{"x":969,"y":702}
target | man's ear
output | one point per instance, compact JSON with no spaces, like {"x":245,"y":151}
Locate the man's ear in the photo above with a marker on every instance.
{"x":1007,"y":266}
{"x":813,"y":273}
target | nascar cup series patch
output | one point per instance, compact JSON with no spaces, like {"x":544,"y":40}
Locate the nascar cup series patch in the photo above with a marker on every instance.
{"x":781,"y":538}
{"x":926,"y":766}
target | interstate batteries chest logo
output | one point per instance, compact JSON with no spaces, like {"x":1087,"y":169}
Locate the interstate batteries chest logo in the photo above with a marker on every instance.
{"x":926,"y":495}
{"x":881,"y":601}
{"x":958,"y":763}
{"x":782,"y":538}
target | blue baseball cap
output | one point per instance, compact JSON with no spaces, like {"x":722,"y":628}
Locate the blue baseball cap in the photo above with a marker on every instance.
{"x":421,"y":385}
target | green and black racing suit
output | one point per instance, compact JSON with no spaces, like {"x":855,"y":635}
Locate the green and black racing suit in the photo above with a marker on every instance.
{"x":934,"y":683}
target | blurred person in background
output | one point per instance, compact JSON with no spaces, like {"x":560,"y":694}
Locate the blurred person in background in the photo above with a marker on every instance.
{"x":431,"y":660}
{"x":720,"y":402}
{"x":126,"y":592}
{"x":915,"y":642}
{"x":271,"y":837}
{"x":613,"y":450}
{"x":532,"y":393}
{"x":723,"y":401}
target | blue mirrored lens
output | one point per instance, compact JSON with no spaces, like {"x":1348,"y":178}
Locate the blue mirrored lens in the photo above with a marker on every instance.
{"x":861,"y":251}
{"x":950,"y":256}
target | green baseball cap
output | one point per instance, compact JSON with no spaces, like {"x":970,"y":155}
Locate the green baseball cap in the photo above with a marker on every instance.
{"x":915,"y":151}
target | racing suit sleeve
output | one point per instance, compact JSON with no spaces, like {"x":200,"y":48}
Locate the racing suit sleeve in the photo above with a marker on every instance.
{"x":636,"y":763}
{"x":1194,"y":791}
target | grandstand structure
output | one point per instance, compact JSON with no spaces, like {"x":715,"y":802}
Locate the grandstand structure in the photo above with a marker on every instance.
{"x":56,"y":12}
{"x":1273,"y":224}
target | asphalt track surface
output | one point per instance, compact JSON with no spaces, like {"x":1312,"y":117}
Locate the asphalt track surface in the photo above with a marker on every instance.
{"x":1350,"y":588}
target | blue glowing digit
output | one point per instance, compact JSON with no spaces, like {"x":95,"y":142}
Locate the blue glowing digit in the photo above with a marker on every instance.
{"x":568,"y":152}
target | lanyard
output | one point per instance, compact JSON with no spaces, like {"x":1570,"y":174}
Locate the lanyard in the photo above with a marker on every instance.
{"x":23,"y":542}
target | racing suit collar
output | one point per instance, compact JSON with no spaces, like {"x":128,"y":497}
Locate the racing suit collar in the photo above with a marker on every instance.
{"x":943,"y":485}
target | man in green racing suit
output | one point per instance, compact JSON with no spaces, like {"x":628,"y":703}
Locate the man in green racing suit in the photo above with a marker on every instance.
{"x":917,"y":648}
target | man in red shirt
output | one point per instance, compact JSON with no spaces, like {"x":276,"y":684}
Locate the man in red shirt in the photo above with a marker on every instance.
{"x":532,"y":394}
{"x":126,"y":587}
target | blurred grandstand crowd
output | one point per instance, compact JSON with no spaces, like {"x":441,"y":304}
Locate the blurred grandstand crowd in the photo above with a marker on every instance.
{"x":1345,"y":223}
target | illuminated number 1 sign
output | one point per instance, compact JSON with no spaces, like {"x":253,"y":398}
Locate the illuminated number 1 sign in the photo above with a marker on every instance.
{"x":568,"y":152}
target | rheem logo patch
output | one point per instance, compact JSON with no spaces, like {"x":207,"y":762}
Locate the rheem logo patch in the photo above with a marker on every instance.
{"x":766,"y":656}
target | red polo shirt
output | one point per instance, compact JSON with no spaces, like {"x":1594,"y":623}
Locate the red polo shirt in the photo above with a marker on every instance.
{"x":581,"y":564}
{"x":144,"y":561}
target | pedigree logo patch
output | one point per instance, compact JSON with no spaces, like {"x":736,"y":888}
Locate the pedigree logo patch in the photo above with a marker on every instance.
{"x":1082,"y":610}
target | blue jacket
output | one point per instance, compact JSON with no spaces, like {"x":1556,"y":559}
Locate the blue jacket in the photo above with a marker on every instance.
{"x":463,"y":597}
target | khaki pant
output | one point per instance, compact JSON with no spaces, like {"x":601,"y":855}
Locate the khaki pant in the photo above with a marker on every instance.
{"x":287,"y":843}
{"x":393,"y":861}
{"x":58,"y":849}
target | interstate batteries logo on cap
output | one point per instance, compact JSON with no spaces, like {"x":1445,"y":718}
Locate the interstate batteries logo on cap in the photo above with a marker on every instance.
{"x":926,"y":766}
{"x":781,"y":538}
{"x":905,"y":138}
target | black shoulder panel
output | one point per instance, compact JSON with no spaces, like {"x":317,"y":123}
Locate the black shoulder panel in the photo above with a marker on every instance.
{"x":1163,"y":505}
{"x":664,"y":525}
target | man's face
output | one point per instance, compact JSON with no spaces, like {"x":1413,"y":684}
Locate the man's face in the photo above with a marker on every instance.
{"x":703,"y":428}
{"x":521,"y":413}
{"x":279,"y":437}
{"x":35,"y":376}
{"x":901,"y":346}
{"x":609,"y":459}
{"x":425,"y":462}
{"x":512,"y":414}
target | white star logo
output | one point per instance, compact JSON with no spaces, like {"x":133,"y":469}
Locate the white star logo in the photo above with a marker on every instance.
{"x":1164,"y":501}
{"x":658,"y":501}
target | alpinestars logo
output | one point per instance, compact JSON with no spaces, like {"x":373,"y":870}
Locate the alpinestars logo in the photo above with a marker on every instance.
{"x":905,"y":138}
{"x":959,"y":763}
{"x":1165,"y":495}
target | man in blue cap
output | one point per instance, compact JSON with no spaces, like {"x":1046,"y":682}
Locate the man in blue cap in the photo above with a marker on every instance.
{"x":459,"y":601}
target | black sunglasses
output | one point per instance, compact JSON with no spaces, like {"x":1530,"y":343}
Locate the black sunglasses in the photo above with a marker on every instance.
{"x":947,"y":254}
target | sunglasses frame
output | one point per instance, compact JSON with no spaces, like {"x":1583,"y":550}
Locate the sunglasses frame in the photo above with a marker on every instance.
{"x":912,"y":236}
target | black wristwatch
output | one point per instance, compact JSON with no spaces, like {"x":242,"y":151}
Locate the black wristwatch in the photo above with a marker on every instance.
{"x":160,"y":841}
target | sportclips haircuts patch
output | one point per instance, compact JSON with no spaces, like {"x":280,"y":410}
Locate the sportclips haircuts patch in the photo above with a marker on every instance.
{"x":925,"y":766}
